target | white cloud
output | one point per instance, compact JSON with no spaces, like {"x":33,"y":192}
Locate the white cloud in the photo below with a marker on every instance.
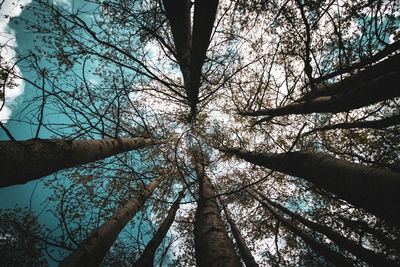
{"x":8,"y":10}
{"x":66,"y":4}
{"x":5,"y":114}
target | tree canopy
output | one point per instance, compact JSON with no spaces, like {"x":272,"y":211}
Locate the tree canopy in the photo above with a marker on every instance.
{"x":222,"y":132}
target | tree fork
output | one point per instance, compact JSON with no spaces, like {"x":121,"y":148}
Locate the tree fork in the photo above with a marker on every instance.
{"x":92,"y":250}
{"x":375,"y":190}
{"x":23,"y":161}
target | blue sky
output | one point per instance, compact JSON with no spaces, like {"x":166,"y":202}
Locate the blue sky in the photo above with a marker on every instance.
{"x":31,"y":194}
{"x":16,"y":119}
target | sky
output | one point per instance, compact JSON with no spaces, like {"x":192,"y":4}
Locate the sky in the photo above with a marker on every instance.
{"x":8,"y":10}
{"x":31,"y":194}
{"x":34,"y":193}
{"x":19,"y":194}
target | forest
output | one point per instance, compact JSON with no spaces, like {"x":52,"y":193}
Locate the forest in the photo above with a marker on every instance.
{"x":204,"y":133}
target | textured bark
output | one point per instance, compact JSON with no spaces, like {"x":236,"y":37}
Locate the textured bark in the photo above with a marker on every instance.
{"x":391,"y":64}
{"x":92,"y":250}
{"x":375,"y":190}
{"x":178,"y":15}
{"x":212,"y":244}
{"x":370,"y":257}
{"x":377,"y":124}
{"x":326,"y":252}
{"x":23,"y":161}
{"x":147,"y":257}
{"x":363,"y":94}
{"x":241,"y":243}
{"x":203,"y":21}
{"x":370,"y":60}
{"x":191,"y":44}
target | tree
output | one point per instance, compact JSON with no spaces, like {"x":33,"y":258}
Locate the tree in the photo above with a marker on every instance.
{"x":241,"y":243}
{"x":352,"y":182}
{"x":93,"y":249}
{"x":213,"y":246}
{"x":21,"y":242}
{"x":43,"y":157}
{"x":334,"y":257}
{"x":295,"y":100}
{"x":366,"y":255}
{"x":147,"y":257}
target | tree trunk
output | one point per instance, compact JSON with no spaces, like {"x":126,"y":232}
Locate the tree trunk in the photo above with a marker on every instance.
{"x":23,"y":161}
{"x":241,"y":243}
{"x":178,"y":15}
{"x":147,"y":258}
{"x":378,"y":234}
{"x":391,"y":64}
{"x":205,"y":12}
{"x":212,"y":244}
{"x":359,"y":251}
{"x":375,"y":190}
{"x":389,"y":49}
{"x":322,"y":249}
{"x":92,"y":250}
{"x":377,"y":124}
{"x":363,"y":94}
{"x":191,"y":44}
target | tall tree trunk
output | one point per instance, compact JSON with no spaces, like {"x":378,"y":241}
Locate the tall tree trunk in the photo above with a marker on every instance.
{"x":205,"y":12}
{"x":212,"y":244}
{"x":375,"y":190}
{"x":370,"y":257}
{"x":322,"y":249}
{"x":191,"y":44}
{"x":178,"y":15}
{"x":92,"y":250}
{"x":147,"y":257}
{"x":364,"y":94}
{"x":376,"y":124}
{"x":23,"y":161}
{"x":391,"y":64}
{"x":375,"y":84}
{"x":241,"y":243}
{"x":389,"y":49}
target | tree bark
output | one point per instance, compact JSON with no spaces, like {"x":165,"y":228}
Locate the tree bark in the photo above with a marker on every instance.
{"x":375,"y":190}
{"x":377,"y":124}
{"x":204,"y":16}
{"x":212,"y":244}
{"x":191,"y":44}
{"x":247,"y":257}
{"x":370,"y":257}
{"x":370,"y":60}
{"x":147,"y":257}
{"x":362,"y":94}
{"x":178,"y":15}
{"x":23,"y":161}
{"x":322,"y":249}
{"x":391,"y":64}
{"x":91,"y":251}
